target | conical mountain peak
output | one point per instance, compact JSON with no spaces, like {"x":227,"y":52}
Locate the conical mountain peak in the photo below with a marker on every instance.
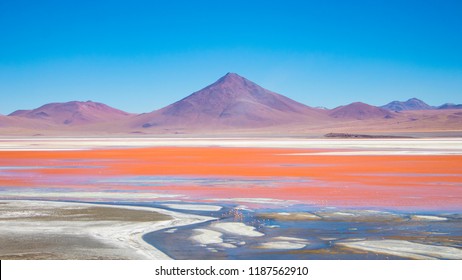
{"x":231,"y":75}
{"x":233,"y":80}
{"x":231,"y":101}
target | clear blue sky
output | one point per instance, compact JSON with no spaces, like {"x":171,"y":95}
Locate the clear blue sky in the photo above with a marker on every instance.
{"x":142,"y":55}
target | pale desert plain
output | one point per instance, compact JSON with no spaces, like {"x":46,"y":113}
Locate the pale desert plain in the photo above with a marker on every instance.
{"x":230,"y":198}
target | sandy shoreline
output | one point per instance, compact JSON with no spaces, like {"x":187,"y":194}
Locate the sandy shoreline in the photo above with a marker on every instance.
{"x":48,"y":230}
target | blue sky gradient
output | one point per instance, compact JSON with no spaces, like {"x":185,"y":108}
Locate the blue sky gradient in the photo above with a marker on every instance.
{"x":142,"y":55}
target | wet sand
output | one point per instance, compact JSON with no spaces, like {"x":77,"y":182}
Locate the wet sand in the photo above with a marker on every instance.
{"x":59,"y":230}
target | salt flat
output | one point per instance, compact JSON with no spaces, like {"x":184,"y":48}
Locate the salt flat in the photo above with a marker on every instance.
{"x":237,"y":229}
{"x":284,"y":243}
{"x":406,"y":249}
{"x":194,"y":207}
{"x":376,"y":146}
{"x":62,"y":230}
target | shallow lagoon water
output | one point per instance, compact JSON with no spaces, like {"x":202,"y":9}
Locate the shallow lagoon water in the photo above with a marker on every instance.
{"x":322,"y":236}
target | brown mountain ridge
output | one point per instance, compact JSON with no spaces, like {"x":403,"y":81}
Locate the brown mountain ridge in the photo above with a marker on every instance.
{"x":360,"y":111}
{"x":73,"y":113}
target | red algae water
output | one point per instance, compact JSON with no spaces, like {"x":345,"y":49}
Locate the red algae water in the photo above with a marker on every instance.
{"x":432,"y":182}
{"x":296,"y":203}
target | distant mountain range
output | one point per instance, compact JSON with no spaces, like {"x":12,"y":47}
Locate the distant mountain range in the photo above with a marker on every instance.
{"x":237,"y":105}
{"x":411,"y":104}
{"x":450,"y":106}
{"x":417,"y":104}
{"x":360,"y":111}
{"x":73,"y":113}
